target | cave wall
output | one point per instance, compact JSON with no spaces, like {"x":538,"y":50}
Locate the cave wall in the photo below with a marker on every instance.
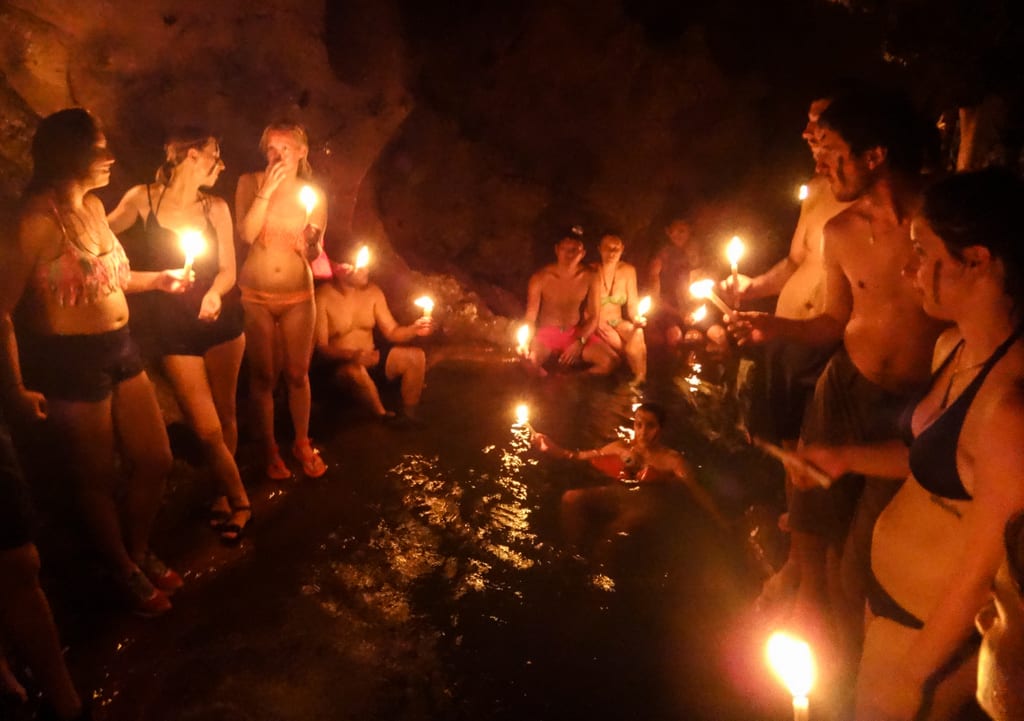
{"x":148,"y":65}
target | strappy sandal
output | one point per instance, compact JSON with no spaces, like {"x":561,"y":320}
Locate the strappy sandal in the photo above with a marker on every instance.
{"x":231,"y":533}
{"x":312,"y":464}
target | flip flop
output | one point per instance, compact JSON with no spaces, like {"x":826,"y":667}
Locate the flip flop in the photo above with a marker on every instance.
{"x":231,"y":533}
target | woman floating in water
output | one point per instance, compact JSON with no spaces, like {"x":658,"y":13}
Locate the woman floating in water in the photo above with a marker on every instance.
{"x":644,"y":461}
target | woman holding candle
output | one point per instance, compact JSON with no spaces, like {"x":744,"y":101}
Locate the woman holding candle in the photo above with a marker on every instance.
{"x":284,"y":236}
{"x":613,"y":291}
{"x":81,"y":368}
{"x":937,"y":545}
{"x":198,"y":335}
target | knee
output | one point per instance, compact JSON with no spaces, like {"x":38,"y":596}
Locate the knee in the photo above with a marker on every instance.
{"x":572,"y":499}
{"x":262,"y":380}
{"x":297,"y":378}
{"x":19,"y":569}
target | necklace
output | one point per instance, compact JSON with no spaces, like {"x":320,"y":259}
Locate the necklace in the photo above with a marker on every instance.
{"x":957,"y":371}
{"x":607,"y":287}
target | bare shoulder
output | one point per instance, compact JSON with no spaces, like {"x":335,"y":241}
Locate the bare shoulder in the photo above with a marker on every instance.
{"x":38,"y":226}
{"x":944,"y":345}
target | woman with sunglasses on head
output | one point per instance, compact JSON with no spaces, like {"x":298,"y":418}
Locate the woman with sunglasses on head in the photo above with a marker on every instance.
{"x":283,"y":237}
{"x":197,"y":334}
{"x":78,"y":365}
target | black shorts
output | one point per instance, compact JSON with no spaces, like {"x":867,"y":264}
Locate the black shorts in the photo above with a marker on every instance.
{"x":17,"y":523}
{"x":81,"y":368}
{"x":167,"y":325}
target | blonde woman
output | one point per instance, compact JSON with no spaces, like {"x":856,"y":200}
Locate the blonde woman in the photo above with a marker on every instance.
{"x":283,"y":237}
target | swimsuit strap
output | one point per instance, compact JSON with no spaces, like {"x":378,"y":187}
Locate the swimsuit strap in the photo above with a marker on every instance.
{"x":60,"y":221}
{"x":159,"y":201}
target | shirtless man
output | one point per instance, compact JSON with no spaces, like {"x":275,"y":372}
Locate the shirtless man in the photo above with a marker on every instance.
{"x":347,"y":311}
{"x":872,"y":157}
{"x":554,"y":297}
{"x":791,"y":369}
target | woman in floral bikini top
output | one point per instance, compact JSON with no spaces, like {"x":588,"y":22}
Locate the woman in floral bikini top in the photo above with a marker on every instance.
{"x":77,"y":365}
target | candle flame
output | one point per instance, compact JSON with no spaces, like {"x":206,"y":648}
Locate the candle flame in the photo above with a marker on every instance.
{"x":425,"y":303}
{"x":700,"y":314}
{"x":308,"y":197}
{"x":734,"y":250}
{"x":363,"y":257}
{"x":643,"y":306}
{"x":802,"y":193}
{"x":522,"y":414}
{"x":791,"y":660}
{"x":192,"y":244}
{"x":702,"y":288}
{"x":523,"y":336}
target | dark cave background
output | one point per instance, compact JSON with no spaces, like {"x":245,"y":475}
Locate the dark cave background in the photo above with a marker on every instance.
{"x":460,"y":138}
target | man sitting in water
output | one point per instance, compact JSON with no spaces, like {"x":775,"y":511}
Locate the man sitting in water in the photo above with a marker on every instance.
{"x":347,"y":310}
{"x":555,"y":296}
{"x":644,"y":460}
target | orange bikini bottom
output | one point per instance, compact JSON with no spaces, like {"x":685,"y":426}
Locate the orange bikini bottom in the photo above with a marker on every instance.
{"x":261,"y":297}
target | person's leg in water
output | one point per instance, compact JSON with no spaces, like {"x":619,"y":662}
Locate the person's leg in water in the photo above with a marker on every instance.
{"x":410,"y":365}
{"x":27,"y":624}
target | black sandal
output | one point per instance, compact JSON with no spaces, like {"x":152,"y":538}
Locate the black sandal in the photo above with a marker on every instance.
{"x":231,"y":533}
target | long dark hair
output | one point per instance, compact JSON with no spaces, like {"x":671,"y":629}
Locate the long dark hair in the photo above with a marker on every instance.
{"x":62,"y":148}
{"x":982,"y":208}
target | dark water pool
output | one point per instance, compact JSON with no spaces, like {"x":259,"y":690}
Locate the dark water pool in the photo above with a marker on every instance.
{"x":427,"y":576}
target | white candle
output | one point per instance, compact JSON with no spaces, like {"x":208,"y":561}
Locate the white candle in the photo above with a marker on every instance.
{"x":192,"y":244}
{"x":426,"y":304}
{"x":523,"y":339}
{"x":802,"y":193}
{"x":643,"y":307}
{"x":698,"y":315}
{"x":363,"y":257}
{"x":734,"y":251}
{"x":792,"y":661}
{"x":308,"y":198}
{"x":705,"y":290}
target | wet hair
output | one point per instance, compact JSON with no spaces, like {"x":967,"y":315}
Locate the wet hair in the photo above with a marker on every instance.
{"x":176,"y":148}
{"x":868,"y":118}
{"x":1013,"y":539}
{"x":655,"y":409}
{"x":981,"y":208}
{"x":62,"y":148}
{"x":286,"y":126}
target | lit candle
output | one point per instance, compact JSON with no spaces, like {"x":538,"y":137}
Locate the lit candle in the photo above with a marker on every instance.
{"x":363,"y":257}
{"x":791,"y":660}
{"x":698,"y":315}
{"x":734,"y":251}
{"x":522,"y":415}
{"x":523,"y":339}
{"x":705,"y":290}
{"x":192,"y":244}
{"x":427,"y":304}
{"x":643,"y":307}
{"x":307,"y":196}
{"x":802,"y":193}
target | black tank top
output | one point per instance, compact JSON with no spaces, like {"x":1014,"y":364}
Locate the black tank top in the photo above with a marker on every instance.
{"x":933,"y":451}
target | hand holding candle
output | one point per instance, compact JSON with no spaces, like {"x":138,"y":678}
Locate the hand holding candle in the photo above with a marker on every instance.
{"x":192,"y":244}
{"x":791,"y":660}
{"x":705,"y":290}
